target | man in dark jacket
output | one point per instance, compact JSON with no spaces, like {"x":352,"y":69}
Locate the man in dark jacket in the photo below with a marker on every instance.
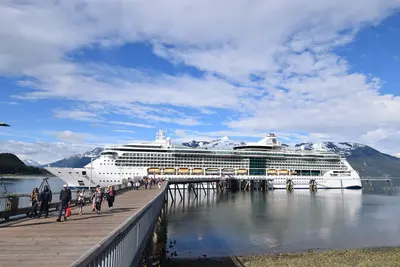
{"x":45,"y":198}
{"x":65,"y":199}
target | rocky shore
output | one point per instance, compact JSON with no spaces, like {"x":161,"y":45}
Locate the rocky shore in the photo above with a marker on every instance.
{"x":384,"y":256}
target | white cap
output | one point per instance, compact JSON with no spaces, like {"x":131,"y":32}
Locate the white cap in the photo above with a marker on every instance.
{"x":65,"y":185}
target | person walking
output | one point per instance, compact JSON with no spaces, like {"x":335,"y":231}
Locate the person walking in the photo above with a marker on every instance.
{"x":34,"y":198}
{"x":110,"y":196}
{"x":65,"y":200}
{"x":159,"y":184}
{"x":98,"y":198}
{"x":45,"y":198}
{"x":81,"y":201}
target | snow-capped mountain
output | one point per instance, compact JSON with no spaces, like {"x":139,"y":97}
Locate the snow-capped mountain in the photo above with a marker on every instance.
{"x":341,"y":148}
{"x":30,"y":162}
{"x":397,"y":155}
{"x":220,"y":143}
{"x":78,"y":160}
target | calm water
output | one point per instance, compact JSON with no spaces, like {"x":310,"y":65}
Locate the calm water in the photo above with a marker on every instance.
{"x":248,"y":223}
{"x":24,"y":186}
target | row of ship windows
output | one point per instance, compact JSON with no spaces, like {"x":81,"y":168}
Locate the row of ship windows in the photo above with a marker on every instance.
{"x":219,"y":160}
{"x":168,"y":155}
{"x":244,"y":167}
{"x":122,"y":173}
{"x":234,"y":162}
{"x":166,"y":164}
{"x":214,"y":159}
{"x":224,"y":160}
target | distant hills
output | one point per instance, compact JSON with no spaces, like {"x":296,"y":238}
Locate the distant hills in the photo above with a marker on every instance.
{"x":367,"y":161}
{"x":11,"y":164}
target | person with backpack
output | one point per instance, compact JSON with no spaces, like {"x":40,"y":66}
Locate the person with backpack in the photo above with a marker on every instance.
{"x":110,"y":196}
{"x":65,"y":200}
{"x":45,"y":199}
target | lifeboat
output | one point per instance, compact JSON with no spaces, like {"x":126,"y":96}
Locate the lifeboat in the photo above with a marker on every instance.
{"x":169,"y":171}
{"x":212,"y":171}
{"x":283,"y":172}
{"x":228,"y":171}
{"x":183,"y":171}
{"x":153,"y":171}
{"x":197,"y":171}
{"x":241,"y":172}
{"x":271,"y":172}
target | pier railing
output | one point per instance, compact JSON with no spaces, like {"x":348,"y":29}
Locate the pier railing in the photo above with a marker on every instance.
{"x":20,"y":204}
{"x":125,"y":245}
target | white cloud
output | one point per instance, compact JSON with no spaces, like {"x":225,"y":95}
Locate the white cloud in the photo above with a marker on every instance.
{"x":125,"y":131}
{"x":43,"y":152}
{"x":131,"y":124}
{"x":79,"y":115}
{"x":69,"y":136}
{"x":272,"y":62}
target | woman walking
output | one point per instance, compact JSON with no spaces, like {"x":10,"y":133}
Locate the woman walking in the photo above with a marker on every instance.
{"x":34,"y":197}
{"x":81,"y":201}
{"x":98,"y":198}
{"x":110,"y":195}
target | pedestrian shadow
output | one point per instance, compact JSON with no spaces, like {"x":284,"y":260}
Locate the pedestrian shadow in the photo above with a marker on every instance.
{"x":70,"y":219}
{"x":118,"y":210}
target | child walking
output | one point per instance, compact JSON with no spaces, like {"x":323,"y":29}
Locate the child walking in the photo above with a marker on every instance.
{"x":81,"y":201}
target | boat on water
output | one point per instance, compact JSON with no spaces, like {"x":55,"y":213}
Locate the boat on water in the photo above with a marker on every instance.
{"x":263,"y":160}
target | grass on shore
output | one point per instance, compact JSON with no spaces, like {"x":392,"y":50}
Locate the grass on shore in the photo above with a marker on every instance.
{"x":385,"y":256}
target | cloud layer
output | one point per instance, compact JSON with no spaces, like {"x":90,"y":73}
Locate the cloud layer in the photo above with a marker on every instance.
{"x":271,"y":64}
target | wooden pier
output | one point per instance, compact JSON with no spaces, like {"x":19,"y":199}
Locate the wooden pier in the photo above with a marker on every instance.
{"x":45,"y":242}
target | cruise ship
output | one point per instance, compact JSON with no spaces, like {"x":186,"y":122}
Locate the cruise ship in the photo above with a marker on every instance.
{"x":265,"y":159}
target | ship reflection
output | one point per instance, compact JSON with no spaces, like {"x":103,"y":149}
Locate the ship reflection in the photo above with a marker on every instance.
{"x":259,"y":222}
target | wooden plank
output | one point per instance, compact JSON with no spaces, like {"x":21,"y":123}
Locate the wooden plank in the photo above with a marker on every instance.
{"x":49,"y":243}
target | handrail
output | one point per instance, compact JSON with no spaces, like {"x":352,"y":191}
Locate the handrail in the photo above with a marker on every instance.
{"x":110,"y":251}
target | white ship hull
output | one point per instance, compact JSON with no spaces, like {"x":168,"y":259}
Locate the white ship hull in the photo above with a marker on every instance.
{"x":79,"y":178}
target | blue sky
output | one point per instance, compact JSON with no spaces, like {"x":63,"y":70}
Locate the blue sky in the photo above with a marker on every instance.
{"x":76,"y":75}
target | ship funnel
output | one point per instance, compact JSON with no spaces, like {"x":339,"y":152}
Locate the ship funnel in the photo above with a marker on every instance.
{"x":160,"y":136}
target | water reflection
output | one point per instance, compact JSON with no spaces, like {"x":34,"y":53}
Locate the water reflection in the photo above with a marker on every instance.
{"x":221,"y":224}
{"x":26,"y":185}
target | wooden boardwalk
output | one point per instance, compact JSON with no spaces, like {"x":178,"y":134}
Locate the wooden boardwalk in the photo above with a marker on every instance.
{"x":45,"y":242}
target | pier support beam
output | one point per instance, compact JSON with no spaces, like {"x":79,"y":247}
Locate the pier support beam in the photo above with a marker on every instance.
{"x":264,"y":185}
{"x":234,"y":185}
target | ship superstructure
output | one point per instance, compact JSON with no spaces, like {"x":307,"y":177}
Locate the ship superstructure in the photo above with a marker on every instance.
{"x":265,"y":159}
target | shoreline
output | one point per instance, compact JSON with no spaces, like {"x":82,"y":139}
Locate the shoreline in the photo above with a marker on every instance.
{"x":376,"y":256}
